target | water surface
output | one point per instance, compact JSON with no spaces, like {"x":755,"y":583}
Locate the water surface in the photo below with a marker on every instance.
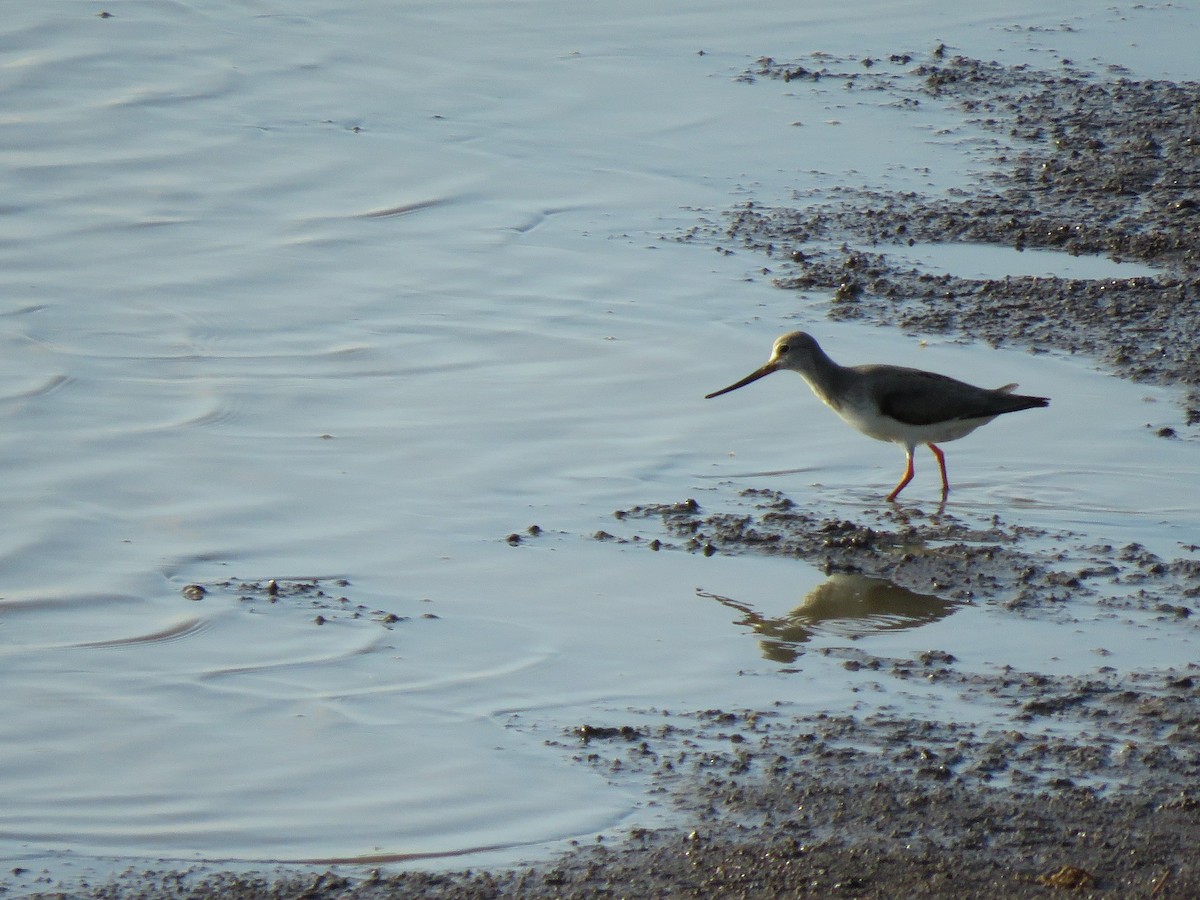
{"x":353,"y":294}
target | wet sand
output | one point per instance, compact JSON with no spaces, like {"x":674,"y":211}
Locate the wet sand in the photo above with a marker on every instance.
{"x":1090,"y":786}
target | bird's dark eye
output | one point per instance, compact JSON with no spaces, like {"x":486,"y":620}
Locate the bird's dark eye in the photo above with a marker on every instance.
{"x":784,"y":348}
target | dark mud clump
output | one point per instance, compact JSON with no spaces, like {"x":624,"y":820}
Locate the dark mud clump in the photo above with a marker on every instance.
{"x":939,"y":553}
{"x":326,"y":598}
{"x":935,"y":553}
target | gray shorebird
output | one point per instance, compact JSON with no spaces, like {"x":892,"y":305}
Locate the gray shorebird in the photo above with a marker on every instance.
{"x":892,"y":403}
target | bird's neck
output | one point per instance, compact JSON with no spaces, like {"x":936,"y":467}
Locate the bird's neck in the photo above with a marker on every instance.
{"x":826,"y":378}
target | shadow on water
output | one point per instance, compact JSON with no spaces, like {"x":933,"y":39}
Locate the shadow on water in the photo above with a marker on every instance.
{"x":847,"y":605}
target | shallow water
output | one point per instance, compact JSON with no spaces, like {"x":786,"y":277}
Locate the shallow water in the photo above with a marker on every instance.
{"x":354,"y":295}
{"x":987,"y":261}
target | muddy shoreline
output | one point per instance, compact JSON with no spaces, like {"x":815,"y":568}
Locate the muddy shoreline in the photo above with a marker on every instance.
{"x":776,"y":804}
{"x":1083,"y":164}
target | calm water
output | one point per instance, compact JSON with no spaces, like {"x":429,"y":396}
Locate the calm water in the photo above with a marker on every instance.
{"x":305,"y":292}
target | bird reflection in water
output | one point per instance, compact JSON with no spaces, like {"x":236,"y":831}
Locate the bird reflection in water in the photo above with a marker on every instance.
{"x":848,"y":606}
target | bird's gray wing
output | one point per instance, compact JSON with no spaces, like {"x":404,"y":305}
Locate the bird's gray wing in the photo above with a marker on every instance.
{"x":924,"y":398}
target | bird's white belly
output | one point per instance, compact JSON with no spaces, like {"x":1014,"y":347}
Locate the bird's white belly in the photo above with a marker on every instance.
{"x":885,"y":428}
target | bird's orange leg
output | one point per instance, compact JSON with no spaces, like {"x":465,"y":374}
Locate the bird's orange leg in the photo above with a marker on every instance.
{"x":908,"y":476}
{"x":941,"y":458}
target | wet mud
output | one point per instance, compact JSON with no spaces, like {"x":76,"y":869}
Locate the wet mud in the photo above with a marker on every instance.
{"x":1070,"y":786}
{"x":934,"y":551}
{"x":1084,"y":164}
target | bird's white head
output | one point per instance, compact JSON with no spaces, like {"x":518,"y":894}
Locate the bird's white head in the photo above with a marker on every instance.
{"x":797,"y":351}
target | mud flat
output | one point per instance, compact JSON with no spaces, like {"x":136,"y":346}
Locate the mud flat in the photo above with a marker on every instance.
{"x":1087,"y":164}
{"x":1084,"y":785}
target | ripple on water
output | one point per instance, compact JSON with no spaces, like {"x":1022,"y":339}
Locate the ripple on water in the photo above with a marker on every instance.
{"x":184,"y":628}
{"x":222,"y":723}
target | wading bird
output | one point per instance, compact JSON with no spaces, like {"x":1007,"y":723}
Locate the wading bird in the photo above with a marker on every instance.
{"x":892,"y":403}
